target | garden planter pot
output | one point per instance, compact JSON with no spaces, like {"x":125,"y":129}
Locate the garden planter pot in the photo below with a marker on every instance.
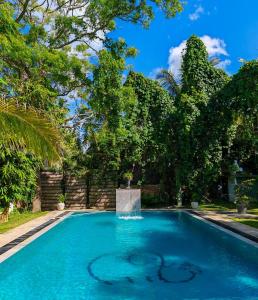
{"x":241,"y":210}
{"x":60,"y":206}
{"x":195,"y":205}
{"x":11,"y":207}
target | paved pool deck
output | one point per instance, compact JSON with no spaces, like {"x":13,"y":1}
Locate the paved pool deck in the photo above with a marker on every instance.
{"x":17,"y":238}
{"x":225,"y":221}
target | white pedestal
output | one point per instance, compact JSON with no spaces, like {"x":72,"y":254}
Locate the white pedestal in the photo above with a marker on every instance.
{"x":128,"y":200}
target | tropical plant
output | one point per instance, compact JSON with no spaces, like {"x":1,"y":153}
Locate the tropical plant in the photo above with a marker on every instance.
{"x":244,"y":194}
{"x":168,"y":82}
{"x":129,"y":177}
{"x":23,"y":131}
{"x":28,"y":128}
{"x":18,"y":178}
{"x":61,"y":198}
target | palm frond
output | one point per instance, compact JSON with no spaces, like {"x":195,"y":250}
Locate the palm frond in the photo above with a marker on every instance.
{"x":168,"y":82}
{"x":215,"y":61}
{"x":28,"y":128}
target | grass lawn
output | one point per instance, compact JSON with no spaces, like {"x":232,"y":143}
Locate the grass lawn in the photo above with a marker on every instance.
{"x":218,"y":206}
{"x":226,"y":206}
{"x":230,"y":207}
{"x":16,"y":219}
{"x":249,"y":222}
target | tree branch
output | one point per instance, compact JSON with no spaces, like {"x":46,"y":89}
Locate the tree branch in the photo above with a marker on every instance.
{"x":25,"y":5}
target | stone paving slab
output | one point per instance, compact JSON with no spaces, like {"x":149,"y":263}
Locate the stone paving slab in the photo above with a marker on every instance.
{"x":226,"y":221}
{"x":16,"y":232}
{"x":21,"y":236}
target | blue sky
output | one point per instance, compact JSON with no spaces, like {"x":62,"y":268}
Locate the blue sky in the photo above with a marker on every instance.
{"x":228,"y":27}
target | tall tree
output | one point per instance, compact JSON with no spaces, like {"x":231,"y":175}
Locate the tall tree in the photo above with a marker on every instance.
{"x":192,"y":156}
{"x":67,"y":22}
{"x":109,"y":102}
{"x":150,"y":117}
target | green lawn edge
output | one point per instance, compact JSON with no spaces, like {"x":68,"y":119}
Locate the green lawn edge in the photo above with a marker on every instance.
{"x":16,"y":219}
{"x":222,"y":206}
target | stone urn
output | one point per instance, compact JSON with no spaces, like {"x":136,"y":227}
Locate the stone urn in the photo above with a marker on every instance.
{"x":60,"y":206}
{"x":241,"y":208}
{"x":195,"y":205}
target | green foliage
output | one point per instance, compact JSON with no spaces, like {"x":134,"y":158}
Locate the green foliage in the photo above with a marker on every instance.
{"x":33,"y":73}
{"x":242,"y":90}
{"x":18,"y":174}
{"x":128,"y":128}
{"x":94,"y":17}
{"x":128,"y":175}
{"x":28,"y":128}
{"x":186,"y":136}
{"x":109,"y":97}
{"x":198,"y":73}
{"x":150,"y":118}
{"x":16,"y":219}
{"x":44,"y":60}
{"x":196,"y":146}
{"x":153,"y":201}
{"x":244,"y":191}
{"x":61,"y":198}
{"x":110,"y":103}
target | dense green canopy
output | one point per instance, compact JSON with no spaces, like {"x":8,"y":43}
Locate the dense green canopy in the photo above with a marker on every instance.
{"x":183,"y":134}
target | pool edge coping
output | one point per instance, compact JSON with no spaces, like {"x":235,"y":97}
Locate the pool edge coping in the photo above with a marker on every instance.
{"x":240,"y":234}
{"x":39,"y":230}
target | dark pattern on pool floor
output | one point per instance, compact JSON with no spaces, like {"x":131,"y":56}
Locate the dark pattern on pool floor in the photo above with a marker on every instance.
{"x":30,"y":233}
{"x":190,"y":271}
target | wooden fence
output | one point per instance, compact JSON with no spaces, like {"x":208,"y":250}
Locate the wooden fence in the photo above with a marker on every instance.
{"x":80,"y":192}
{"x":96,"y":191}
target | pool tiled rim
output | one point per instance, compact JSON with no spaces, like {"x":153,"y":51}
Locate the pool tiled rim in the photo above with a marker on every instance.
{"x":15,"y":245}
{"x":243,"y":232}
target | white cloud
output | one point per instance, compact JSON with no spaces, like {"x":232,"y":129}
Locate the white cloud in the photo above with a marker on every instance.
{"x":215,"y":47}
{"x":197,"y":13}
{"x":153,"y":74}
{"x":223,"y":64}
{"x":175,"y":58}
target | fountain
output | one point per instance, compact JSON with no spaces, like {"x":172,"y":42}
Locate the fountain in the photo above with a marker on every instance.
{"x":128,"y":203}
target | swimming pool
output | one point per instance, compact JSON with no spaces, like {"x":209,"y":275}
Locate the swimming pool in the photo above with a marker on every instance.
{"x":166,"y":255}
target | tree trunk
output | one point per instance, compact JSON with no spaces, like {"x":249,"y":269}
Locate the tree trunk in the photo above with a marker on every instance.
{"x":128,"y":184}
{"x":179,"y":191}
{"x":36,"y":202}
{"x":179,"y":197}
{"x":4,"y":215}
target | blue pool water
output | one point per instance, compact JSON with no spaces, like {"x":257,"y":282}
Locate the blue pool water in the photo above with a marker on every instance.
{"x":166,"y":255}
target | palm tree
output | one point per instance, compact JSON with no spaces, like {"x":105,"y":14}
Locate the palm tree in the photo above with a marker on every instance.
{"x":167,"y":80}
{"x":28,"y":128}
